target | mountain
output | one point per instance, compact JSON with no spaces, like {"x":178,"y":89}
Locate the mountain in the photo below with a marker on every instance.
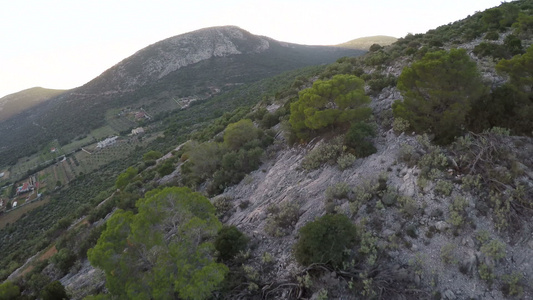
{"x":194,"y":65}
{"x":317,"y":201}
{"x":364,"y":43}
{"x":15,"y":103}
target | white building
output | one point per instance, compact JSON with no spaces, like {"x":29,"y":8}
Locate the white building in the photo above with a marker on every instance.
{"x":107,"y":142}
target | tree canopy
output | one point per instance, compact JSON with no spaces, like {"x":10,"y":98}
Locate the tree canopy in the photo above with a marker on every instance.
{"x":437,"y":93}
{"x":337,"y":101}
{"x":512,"y":104}
{"x":124,"y":178}
{"x":164,"y":251}
{"x":239,"y":133}
{"x":519,"y":69}
{"x":8,"y":291}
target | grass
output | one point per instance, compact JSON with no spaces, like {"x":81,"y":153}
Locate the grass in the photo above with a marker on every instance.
{"x":103,"y":132}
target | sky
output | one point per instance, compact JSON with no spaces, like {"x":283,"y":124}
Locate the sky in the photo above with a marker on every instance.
{"x":62,"y":44}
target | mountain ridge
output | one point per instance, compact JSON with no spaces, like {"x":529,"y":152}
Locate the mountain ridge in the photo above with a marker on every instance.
{"x":15,"y":103}
{"x":364,"y":43}
{"x":187,"y":65}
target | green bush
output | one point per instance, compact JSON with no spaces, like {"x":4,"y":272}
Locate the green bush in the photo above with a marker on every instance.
{"x":337,"y":191}
{"x":64,"y":259}
{"x":375,"y":47}
{"x":358,"y":137}
{"x":437,"y":93}
{"x":240,"y":133}
{"x":165,"y":168}
{"x":151,"y":155}
{"x":513,"y":45}
{"x":335,"y":102}
{"x":281,"y":219}
{"x":124,"y":178}
{"x":54,"y":291}
{"x":325,"y":241}
{"x":443,"y":187}
{"x":325,"y":152}
{"x":400,"y":125}
{"x":229,"y":242}
{"x":492,"y":35}
{"x":9,"y":291}
{"x":490,"y":49}
{"x":346,"y":160}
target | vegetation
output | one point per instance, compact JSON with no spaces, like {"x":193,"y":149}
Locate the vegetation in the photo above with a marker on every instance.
{"x":9,"y":291}
{"x":229,"y":242}
{"x":438,"y":91}
{"x":336,"y":231}
{"x":124,"y":178}
{"x":163,"y":250}
{"x":171,"y":244}
{"x":335,"y":102}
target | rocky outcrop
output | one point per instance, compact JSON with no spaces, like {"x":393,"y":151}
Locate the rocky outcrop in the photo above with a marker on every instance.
{"x":158,"y":60}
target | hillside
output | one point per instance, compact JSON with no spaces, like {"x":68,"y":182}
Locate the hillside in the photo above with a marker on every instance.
{"x":364,"y":43}
{"x":404,"y":173}
{"x":193,"y":65}
{"x":15,"y":103}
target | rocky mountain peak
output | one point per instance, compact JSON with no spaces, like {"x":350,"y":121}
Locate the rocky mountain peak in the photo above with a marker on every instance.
{"x":160,"y":59}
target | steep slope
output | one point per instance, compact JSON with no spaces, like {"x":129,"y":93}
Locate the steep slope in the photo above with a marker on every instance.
{"x":195,"y":64}
{"x":13,"y":104}
{"x":430,"y":223}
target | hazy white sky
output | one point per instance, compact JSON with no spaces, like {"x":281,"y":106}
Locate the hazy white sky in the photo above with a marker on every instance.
{"x":65,"y":43}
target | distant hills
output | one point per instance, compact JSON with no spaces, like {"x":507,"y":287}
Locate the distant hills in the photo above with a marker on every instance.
{"x":195,"y":65}
{"x":15,"y":103}
{"x":364,"y":43}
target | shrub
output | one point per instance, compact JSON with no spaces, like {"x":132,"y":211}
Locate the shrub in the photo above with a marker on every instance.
{"x":513,"y":45}
{"x":346,"y":160}
{"x":124,"y":178}
{"x":444,"y":188}
{"x":229,"y":242}
{"x":511,"y":284}
{"x":329,"y":103}
{"x":400,"y":125}
{"x":53,"y":291}
{"x":165,"y":168}
{"x":335,"y":231}
{"x":240,"y":133}
{"x":337,"y":191}
{"x":8,"y":290}
{"x":408,"y":205}
{"x":437,"y":92}
{"x":457,"y":211}
{"x":357,"y":138}
{"x":64,"y":259}
{"x":494,"y":249}
{"x":222,"y":206}
{"x":490,"y":49}
{"x":375,"y":47}
{"x":151,"y":155}
{"x":325,"y":152}
{"x":492,"y":35}
{"x":282,"y":218}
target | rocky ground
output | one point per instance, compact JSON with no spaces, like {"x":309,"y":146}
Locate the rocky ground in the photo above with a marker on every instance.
{"x":416,"y":230}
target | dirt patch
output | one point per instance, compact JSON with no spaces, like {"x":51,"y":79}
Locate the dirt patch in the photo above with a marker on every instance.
{"x":46,"y":255}
{"x":49,"y":253}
